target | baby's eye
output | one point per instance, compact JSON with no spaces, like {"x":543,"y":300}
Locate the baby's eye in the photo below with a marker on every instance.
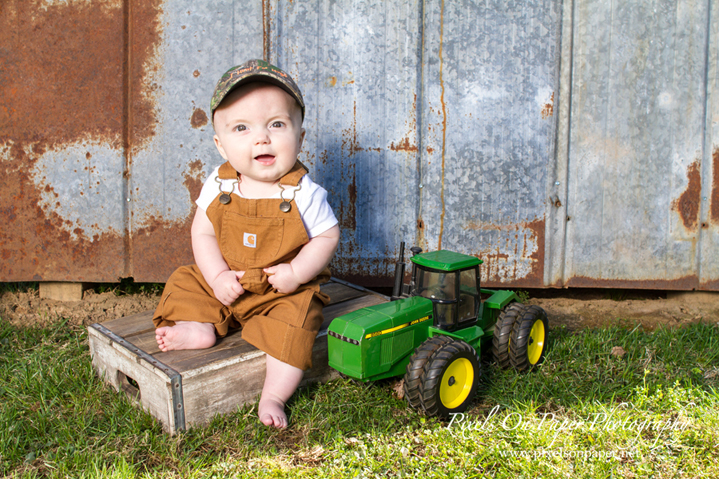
{"x":240,"y":128}
{"x":277,"y":124}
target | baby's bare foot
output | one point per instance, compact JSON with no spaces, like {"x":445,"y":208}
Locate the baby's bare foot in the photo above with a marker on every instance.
{"x":185,"y":335}
{"x":272,"y":413}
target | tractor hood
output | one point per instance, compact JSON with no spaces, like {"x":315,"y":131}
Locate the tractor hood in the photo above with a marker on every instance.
{"x":368,"y":342}
{"x":382,"y":319}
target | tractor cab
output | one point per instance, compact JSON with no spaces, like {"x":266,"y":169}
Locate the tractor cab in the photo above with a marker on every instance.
{"x":451,"y":281}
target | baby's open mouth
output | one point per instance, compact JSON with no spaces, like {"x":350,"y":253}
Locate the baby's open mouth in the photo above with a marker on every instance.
{"x":265,"y":159}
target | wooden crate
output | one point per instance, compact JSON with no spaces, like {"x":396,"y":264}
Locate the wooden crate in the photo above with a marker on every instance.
{"x":187,"y":388}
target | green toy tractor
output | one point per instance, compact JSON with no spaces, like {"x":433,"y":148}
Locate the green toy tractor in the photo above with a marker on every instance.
{"x":434,"y":330}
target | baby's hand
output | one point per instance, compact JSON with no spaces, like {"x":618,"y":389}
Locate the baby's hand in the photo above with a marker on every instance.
{"x":227,"y":287}
{"x":282,"y":277}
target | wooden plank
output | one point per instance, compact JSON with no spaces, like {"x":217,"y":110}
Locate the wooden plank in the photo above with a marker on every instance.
{"x":230,"y":347}
{"x":131,"y":325}
{"x":341,"y":292}
{"x":62,"y":291}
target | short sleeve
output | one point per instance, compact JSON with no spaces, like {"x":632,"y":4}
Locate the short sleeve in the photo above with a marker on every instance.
{"x":209,"y":191}
{"x":316,"y":212}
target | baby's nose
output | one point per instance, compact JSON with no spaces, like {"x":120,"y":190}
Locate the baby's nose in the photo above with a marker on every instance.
{"x":262,"y":136}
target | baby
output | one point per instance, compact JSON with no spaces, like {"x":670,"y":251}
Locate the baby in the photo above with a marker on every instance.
{"x":263,"y":236}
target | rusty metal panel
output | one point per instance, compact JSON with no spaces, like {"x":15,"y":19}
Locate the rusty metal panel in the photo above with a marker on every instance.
{"x":637,"y":145}
{"x":489,"y":80}
{"x":62,"y":140}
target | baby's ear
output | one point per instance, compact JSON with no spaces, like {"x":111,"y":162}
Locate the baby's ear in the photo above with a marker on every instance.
{"x":302,"y":137}
{"x":222,"y":150}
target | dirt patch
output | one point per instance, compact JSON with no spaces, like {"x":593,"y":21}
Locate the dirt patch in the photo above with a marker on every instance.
{"x":28,"y":309}
{"x":674,"y":309}
{"x":575,"y":310}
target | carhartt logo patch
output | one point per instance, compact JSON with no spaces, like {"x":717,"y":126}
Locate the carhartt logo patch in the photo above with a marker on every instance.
{"x":250,"y":240}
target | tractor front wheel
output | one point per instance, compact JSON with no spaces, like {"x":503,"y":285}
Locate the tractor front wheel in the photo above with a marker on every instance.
{"x":529,"y":339}
{"x":412,"y":384}
{"x":449,"y":376}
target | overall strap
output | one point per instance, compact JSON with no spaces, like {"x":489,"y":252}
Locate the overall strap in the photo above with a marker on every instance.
{"x":295,"y":174}
{"x":292,"y":178}
{"x":227,"y":172}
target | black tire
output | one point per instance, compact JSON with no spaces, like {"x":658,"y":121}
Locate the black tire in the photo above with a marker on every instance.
{"x":449,"y":379}
{"x":528,"y":343}
{"x":412,"y":386}
{"x":503,"y":332}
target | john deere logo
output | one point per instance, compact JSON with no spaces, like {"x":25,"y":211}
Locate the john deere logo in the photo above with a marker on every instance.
{"x":250,"y":240}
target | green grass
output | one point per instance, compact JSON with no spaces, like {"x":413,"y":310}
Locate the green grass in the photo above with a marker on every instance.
{"x":651,"y":412}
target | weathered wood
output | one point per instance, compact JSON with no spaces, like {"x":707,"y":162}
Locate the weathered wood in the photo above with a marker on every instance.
{"x":115,"y":364}
{"x":131,"y":325}
{"x":62,"y":291}
{"x":189,"y":387}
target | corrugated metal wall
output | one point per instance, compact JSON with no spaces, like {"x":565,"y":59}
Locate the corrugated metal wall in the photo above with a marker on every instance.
{"x":639,"y":146}
{"x":565,"y":143}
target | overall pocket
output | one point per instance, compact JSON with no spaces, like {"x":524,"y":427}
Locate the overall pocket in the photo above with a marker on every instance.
{"x":254,"y":242}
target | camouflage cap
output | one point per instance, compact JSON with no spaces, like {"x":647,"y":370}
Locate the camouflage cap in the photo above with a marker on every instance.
{"x":252,"y":71}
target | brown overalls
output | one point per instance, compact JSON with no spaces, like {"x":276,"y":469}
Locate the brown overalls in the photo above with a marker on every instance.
{"x":253,"y":234}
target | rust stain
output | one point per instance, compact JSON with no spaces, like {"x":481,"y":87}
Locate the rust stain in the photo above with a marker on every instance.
{"x":349,"y":136}
{"x":61,"y":77}
{"x":144,"y":36}
{"x":680,"y":284}
{"x":198,"y":118}
{"x":368,"y":272}
{"x":710,"y":285}
{"x":534,"y":232}
{"x":714,"y":209}
{"x":196,"y":73}
{"x":266,"y":30}
{"x":160,"y":247}
{"x":194,"y":178}
{"x":444,"y":121}
{"x":548,"y":109}
{"x":71,"y":73}
{"x":687,"y":205}
{"x":333,"y":81}
{"x":348,"y":211}
{"x":403,"y":146}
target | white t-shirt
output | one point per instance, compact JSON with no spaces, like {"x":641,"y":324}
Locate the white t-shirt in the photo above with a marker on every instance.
{"x":310,"y":198}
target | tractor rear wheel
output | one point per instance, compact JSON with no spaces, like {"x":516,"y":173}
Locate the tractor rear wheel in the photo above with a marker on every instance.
{"x":529,"y":339}
{"x":449,"y":378}
{"x":503,"y":332}
{"x":412,"y":386}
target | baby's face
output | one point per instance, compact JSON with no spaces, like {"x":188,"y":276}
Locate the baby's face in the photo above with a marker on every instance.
{"x":259,"y":131}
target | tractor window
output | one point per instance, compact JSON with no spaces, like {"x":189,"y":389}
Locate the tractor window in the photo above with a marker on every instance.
{"x":436,"y":285}
{"x":446,"y":314}
{"x":468,"y":294}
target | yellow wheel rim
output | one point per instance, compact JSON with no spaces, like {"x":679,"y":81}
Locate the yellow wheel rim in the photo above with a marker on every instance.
{"x":536,"y":342}
{"x":456,"y":383}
